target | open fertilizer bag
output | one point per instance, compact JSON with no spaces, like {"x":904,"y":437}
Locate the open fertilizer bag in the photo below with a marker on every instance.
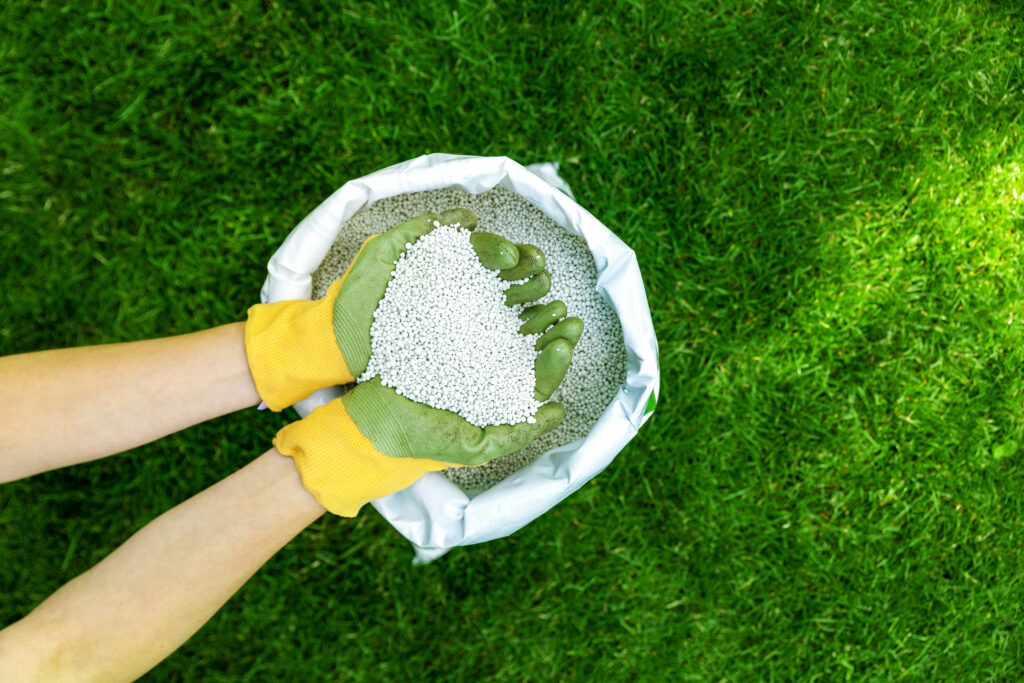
{"x":434,"y":513}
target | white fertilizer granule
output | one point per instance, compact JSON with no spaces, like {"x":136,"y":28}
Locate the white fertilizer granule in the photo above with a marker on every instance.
{"x":443,"y":336}
{"x":599,"y":359}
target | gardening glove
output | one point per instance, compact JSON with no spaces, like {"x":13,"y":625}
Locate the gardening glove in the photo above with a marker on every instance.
{"x":297,"y":347}
{"x":372,"y":441}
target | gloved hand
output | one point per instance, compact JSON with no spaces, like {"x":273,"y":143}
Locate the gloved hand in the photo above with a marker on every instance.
{"x":297,"y":347}
{"x":372,"y":442}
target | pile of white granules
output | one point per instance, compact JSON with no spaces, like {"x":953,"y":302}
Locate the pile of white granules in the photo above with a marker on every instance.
{"x":599,"y":359}
{"x":442,"y":334}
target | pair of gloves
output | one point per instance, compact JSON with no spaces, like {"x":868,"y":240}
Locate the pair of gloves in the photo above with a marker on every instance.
{"x":372,"y":442}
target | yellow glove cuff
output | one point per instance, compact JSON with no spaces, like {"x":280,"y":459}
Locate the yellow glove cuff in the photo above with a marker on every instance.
{"x":292,"y":350}
{"x":341,"y":467}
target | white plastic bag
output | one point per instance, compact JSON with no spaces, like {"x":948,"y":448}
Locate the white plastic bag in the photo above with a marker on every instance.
{"x":433,"y":513}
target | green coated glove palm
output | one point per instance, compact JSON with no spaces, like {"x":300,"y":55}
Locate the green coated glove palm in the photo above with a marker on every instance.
{"x":398,"y":427}
{"x":401,"y":428}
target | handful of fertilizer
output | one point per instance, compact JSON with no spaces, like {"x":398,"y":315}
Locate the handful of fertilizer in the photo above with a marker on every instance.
{"x":453,"y":334}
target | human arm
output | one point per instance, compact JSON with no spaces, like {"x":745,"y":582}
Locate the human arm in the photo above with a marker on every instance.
{"x":122,"y":617}
{"x":68,"y":406}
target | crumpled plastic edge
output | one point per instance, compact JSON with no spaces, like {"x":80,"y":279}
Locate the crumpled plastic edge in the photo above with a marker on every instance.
{"x":434,"y":514}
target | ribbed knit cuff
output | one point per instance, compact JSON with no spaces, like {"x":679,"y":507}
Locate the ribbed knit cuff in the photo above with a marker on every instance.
{"x":292,"y":350}
{"x":340,"y":466}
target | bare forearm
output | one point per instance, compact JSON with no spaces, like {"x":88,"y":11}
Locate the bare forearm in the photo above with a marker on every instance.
{"x":68,"y":406}
{"x":126,"y":614}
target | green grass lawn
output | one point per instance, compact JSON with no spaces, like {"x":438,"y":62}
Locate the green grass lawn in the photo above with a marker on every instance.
{"x":826,"y":200}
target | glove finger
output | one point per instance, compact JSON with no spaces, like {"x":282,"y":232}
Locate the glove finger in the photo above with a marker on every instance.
{"x":544,"y":318}
{"x":412,"y":229}
{"x":550,"y":367}
{"x":531,"y":290}
{"x":570,"y":329}
{"x":415,"y":228}
{"x":464,"y":217}
{"x":381,"y":251}
{"x":529,"y":311}
{"x":494,"y":251}
{"x":531,"y":262}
